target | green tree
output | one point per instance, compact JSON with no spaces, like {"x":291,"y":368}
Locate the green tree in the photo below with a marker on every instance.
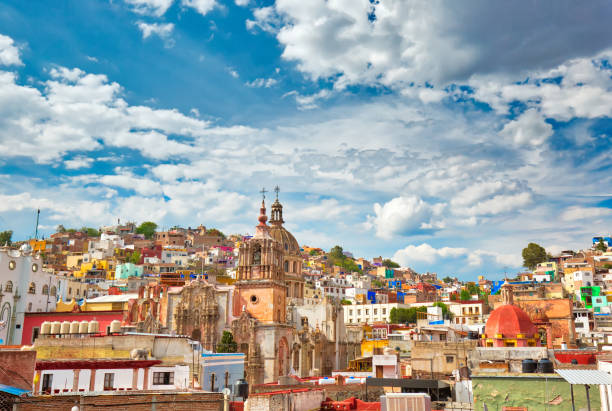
{"x":91,"y":232}
{"x":313,"y":252}
{"x":227,"y":343}
{"x":336,"y":253}
{"x":135,"y":257}
{"x":5,"y":237}
{"x":601,"y":246}
{"x":60,"y":229}
{"x":346,"y":302}
{"x":465,"y":295}
{"x":448,"y":280}
{"x":147,"y":228}
{"x":215,"y":232}
{"x":533,"y":255}
{"x":390,"y":263}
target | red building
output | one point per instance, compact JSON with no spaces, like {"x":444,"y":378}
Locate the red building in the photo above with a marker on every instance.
{"x":32,"y":321}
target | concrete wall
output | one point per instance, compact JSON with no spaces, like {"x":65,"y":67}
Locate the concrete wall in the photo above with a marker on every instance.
{"x":511,"y":355}
{"x":18,"y":368}
{"x":286,"y":401}
{"x":540,"y":392}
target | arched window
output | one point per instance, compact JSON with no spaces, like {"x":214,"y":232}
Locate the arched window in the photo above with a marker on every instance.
{"x":295,"y":266}
{"x":69,"y":291}
{"x":78,"y":292}
{"x":257,"y":255}
{"x":29,"y":307}
{"x":45,"y":290}
{"x":286,"y":266}
{"x":53,"y":291}
{"x":8,"y":287}
{"x":32,"y":289}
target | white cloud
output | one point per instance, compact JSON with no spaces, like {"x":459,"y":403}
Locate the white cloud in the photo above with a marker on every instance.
{"x":404,"y":215}
{"x":153,"y":7}
{"x":262,"y":82}
{"x":201,"y":6}
{"x":232,"y":72}
{"x":576,"y":213}
{"x":529,"y":129}
{"x":163,"y":30}
{"x":9,"y":53}
{"x":426,"y":253}
{"x":242,"y":2}
{"x":78,"y":162}
{"x":266,"y":19}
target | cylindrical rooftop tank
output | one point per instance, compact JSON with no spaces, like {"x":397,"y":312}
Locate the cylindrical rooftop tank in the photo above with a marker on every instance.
{"x":83,"y":326}
{"x":45,"y":328}
{"x":74,"y":327}
{"x":529,"y":366}
{"x":545,"y":366}
{"x":115,"y":326}
{"x":241,"y":389}
{"x":94,"y":327}
{"x":55,"y":327}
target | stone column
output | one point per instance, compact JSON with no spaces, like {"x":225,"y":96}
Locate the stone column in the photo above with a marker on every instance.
{"x":135,"y":378}
{"x":145,"y":382}
{"x":75,"y":380}
{"x":92,"y":380}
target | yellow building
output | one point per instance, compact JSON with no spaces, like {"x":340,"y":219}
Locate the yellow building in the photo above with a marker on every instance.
{"x":38,"y":246}
{"x":104,"y":303}
{"x":106,"y":265}
{"x":369,"y":346}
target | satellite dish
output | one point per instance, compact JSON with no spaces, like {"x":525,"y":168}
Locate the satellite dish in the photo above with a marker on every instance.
{"x":226,"y":391}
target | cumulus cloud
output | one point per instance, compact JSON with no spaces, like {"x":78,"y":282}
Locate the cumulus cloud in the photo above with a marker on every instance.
{"x":576,"y":213}
{"x":262,"y":82}
{"x":529,"y":129}
{"x":201,"y":6}
{"x":404,"y":215}
{"x":426,"y":253}
{"x":9,"y":53}
{"x":162,"y":30}
{"x":78,"y":162}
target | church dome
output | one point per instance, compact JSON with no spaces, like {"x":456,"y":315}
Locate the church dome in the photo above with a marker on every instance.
{"x":287,"y":240}
{"x":509,"y":321}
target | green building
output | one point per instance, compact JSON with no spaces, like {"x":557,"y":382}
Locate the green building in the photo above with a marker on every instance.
{"x":592,"y":298}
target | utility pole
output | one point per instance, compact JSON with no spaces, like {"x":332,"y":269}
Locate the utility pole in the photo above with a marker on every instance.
{"x":37,"y":218}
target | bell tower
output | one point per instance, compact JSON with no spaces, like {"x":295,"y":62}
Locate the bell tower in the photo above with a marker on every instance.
{"x":260,"y":286}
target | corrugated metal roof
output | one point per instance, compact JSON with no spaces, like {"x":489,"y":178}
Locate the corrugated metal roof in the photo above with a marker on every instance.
{"x":596,"y":377}
{"x":12,"y":390}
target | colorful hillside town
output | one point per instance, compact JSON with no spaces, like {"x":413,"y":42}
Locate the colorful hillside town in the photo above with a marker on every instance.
{"x":196,"y":318}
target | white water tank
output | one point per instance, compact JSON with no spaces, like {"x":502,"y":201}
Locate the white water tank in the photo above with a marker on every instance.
{"x":65,"y":328}
{"x":83,"y":327}
{"x":45,"y":328}
{"x":94,"y":327}
{"x":74,"y":327}
{"x":55,"y":327}
{"x":115,"y":326}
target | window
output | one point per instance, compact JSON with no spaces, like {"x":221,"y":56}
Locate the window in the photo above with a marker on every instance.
{"x":77,"y":292}
{"x":384,"y":311}
{"x":375,"y":311}
{"x":53,"y":291}
{"x":450,"y":359}
{"x":9,"y":287}
{"x":163,"y":378}
{"x":35,"y":333}
{"x":30,"y":307}
{"x":32,"y":289}
{"x":70,"y":291}
{"x":45,"y":290}
{"x":350,"y":312}
{"x":109,"y":381}
{"x":46,"y":383}
{"x":367,"y":312}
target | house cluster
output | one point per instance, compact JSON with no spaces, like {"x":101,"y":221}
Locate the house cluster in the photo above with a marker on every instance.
{"x":259,"y":322}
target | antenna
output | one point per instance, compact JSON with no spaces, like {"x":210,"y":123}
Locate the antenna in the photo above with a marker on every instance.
{"x":37,"y":218}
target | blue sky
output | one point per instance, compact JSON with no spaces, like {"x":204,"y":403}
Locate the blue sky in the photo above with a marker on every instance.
{"x":444,"y":135}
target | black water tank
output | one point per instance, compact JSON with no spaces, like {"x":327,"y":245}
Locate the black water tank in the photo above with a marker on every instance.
{"x":545,"y":366}
{"x":241,"y":389}
{"x":529,"y":366}
{"x":472,"y":335}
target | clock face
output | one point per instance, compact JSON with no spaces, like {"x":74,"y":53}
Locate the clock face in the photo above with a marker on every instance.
{"x":12,"y":265}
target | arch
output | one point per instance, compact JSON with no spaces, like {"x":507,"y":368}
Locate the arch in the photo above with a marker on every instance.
{"x":45,"y":289}
{"x":134,"y":314}
{"x":53,"y":291}
{"x":32,"y":288}
{"x":257,"y":254}
{"x":286,"y":266}
{"x":283,"y":356}
{"x":295,"y":267}
{"x":8,"y":287}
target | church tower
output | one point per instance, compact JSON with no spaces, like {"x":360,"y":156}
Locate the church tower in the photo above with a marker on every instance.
{"x":260,"y":278}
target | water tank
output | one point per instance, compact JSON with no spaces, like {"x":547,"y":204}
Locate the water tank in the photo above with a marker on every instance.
{"x":55,"y":327}
{"x":45,"y":328}
{"x":94,"y":327}
{"x":545,"y":366}
{"x":74,"y":327}
{"x":241,"y":388}
{"x":65,"y":328}
{"x":83,"y":326}
{"x":115,"y":326}
{"x":472,"y":335}
{"x":529,"y":366}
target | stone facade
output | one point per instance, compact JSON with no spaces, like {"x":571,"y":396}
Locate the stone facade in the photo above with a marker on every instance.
{"x":197,"y":313}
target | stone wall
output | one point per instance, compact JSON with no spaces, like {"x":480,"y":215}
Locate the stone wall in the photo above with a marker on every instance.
{"x":289,"y":400}
{"x":17,"y":368}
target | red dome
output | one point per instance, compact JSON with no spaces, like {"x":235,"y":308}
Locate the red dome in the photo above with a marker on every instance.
{"x":509,"y":320}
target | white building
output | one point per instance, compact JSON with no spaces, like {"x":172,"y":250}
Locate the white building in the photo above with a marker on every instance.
{"x":370,"y":313}
{"x":25,"y":287}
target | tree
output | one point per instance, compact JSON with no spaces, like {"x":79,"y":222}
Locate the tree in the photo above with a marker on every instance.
{"x":313,"y":252}
{"x":60,"y":229}
{"x":533,"y":255}
{"x":346,"y":302}
{"x":465,"y":295}
{"x":448,"y":280}
{"x":227,"y":343}
{"x":214,"y":232}
{"x":5,"y":237}
{"x":336,"y":253}
{"x":135,"y":257}
{"x":601,"y":246}
{"x":91,"y":232}
{"x":390,"y":263}
{"x":147,"y":228}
